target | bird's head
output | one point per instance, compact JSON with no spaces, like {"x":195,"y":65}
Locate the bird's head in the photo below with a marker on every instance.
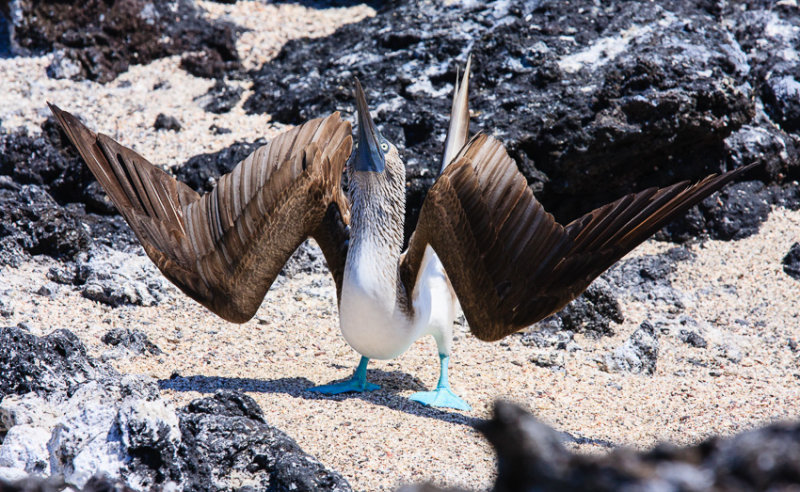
{"x":377,"y":176}
{"x":372,"y":150}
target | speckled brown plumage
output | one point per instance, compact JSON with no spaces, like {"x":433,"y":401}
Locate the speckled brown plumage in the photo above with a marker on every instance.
{"x":508,"y":260}
{"x":225,"y":248}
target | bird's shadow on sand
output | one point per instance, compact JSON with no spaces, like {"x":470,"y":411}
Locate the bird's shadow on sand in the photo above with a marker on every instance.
{"x":391,"y":383}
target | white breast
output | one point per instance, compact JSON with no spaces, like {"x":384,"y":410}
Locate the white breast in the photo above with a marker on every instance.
{"x":371,"y":318}
{"x":369,"y":314}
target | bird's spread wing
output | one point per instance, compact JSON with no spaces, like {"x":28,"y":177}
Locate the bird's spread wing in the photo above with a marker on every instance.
{"x":510,"y":263}
{"x":225,"y":248}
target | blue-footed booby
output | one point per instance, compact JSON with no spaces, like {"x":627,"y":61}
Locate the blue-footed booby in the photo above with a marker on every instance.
{"x":483,"y":243}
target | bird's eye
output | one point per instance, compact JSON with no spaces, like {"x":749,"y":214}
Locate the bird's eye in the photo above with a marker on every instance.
{"x":385,"y":146}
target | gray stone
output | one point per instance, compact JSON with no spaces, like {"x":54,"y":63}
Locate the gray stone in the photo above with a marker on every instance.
{"x":118,"y":278}
{"x":25,"y":448}
{"x":133,"y":341}
{"x":552,"y":360}
{"x":94,"y":422}
{"x":637,"y":355}
{"x":6,"y":306}
{"x":64,"y":67}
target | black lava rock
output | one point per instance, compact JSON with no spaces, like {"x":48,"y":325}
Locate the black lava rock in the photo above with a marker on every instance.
{"x":530,"y":456}
{"x":32,"y":222}
{"x":221,"y":97}
{"x":201,"y":171}
{"x":735,"y":212}
{"x":50,"y":160}
{"x":766,"y":31}
{"x":133,"y":340}
{"x":692,"y":338}
{"x":164,"y":122}
{"x":646,"y":278}
{"x":199,"y":447}
{"x":791,"y":262}
{"x":549,"y":332}
{"x":57,"y":362}
{"x":593,"y":312}
{"x":98,"y":39}
{"x":227,"y":434}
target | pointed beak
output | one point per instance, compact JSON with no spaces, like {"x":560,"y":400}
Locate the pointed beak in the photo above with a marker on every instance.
{"x":369,"y":156}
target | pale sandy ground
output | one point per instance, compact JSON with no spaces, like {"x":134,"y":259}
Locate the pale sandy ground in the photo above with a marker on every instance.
{"x":737,"y":290}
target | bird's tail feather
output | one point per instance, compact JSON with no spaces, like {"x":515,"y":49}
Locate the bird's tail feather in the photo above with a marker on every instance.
{"x":458,"y":131}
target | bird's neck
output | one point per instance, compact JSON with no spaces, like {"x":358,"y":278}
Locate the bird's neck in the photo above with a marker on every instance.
{"x":376,"y":237}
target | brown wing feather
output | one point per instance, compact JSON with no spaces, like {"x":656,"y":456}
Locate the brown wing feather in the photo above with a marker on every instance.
{"x":225,"y":248}
{"x":510,"y":263}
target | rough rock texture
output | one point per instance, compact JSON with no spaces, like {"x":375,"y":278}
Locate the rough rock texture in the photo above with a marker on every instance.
{"x":221,"y":98}
{"x":164,"y":122}
{"x":115,"y":278}
{"x":639,"y":353}
{"x":791,"y":262}
{"x":596,"y":311}
{"x":133,"y":340}
{"x":49,"y":201}
{"x":769,"y":32}
{"x":49,"y":160}
{"x":531,"y":456}
{"x":732,"y":213}
{"x":593,"y":312}
{"x":631,"y":93}
{"x":32,"y":222}
{"x":646,"y":278}
{"x":100,"y":39}
{"x":55,"y":363}
{"x":55,"y":484}
{"x":64,"y":413}
{"x":231,"y":430}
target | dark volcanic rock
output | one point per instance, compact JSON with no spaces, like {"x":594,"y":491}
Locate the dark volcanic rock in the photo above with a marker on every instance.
{"x":57,"y":362}
{"x":646,"y":278}
{"x":32,"y":222}
{"x":133,"y":340}
{"x":692,"y":338}
{"x":117,"y":278}
{"x":201,"y":171}
{"x":50,"y":160}
{"x":66,"y":414}
{"x":49,"y":200}
{"x":630,"y":94}
{"x":221,"y":98}
{"x":99,"y":39}
{"x":227,"y":434}
{"x":164,"y":122}
{"x":791,"y":262}
{"x":593,"y":311}
{"x":770,"y":35}
{"x":735,"y":212}
{"x":530,"y":456}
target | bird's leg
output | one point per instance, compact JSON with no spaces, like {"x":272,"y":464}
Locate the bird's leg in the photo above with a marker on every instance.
{"x":443,"y":395}
{"x":358,"y":383}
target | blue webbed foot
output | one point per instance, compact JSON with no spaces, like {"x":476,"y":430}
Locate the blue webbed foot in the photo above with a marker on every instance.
{"x":357,"y":384}
{"x":440,"y":397}
{"x":352,"y":385}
